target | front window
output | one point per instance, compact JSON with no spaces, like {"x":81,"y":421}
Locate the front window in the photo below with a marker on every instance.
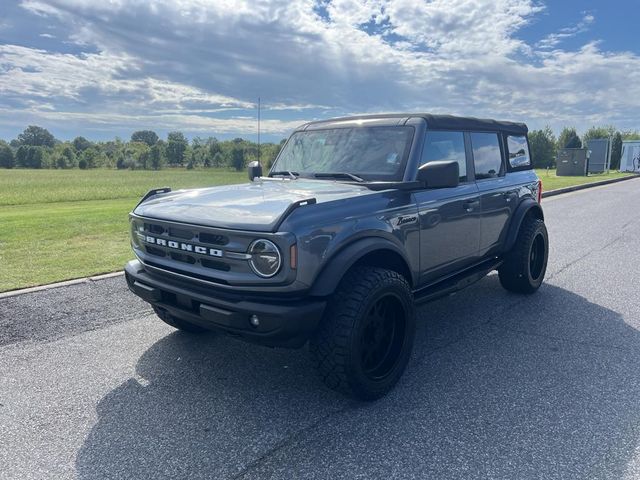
{"x":446,"y":146}
{"x":371,"y":153}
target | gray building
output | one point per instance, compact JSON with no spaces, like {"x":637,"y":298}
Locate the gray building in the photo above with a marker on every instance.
{"x":572,"y":162}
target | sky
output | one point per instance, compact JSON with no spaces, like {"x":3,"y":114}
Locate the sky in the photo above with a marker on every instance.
{"x":107,"y":68}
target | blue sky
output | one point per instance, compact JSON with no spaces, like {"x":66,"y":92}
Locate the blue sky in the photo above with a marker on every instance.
{"x":104,"y":69}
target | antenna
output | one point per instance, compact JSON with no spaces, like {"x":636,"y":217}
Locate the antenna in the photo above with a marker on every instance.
{"x":258,"y":129}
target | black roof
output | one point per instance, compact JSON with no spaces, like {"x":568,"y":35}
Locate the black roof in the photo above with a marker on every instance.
{"x":436,"y":122}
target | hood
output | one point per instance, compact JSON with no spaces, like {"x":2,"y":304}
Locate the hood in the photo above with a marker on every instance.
{"x":256,"y":206}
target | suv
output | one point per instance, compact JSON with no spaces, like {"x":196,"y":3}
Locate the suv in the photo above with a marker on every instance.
{"x":358,"y":220}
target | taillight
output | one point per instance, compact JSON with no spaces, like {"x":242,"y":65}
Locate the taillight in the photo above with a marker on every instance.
{"x":539,"y":191}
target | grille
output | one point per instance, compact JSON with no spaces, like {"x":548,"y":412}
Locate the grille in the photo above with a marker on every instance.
{"x":185,"y":247}
{"x":212,"y":239}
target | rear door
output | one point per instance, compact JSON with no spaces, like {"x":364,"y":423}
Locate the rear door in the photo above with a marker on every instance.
{"x":497,"y":196}
{"x":449,"y":217}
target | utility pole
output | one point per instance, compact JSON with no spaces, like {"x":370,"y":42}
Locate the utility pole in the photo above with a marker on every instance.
{"x":609,"y":152}
{"x":258,"y":129}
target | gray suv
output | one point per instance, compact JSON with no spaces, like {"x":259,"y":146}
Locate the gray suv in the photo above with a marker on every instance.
{"x":358,"y":220}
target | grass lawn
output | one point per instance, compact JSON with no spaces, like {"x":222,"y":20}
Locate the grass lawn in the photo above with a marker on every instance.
{"x":551,"y":182}
{"x":20,"y":187}
{"x":46,"y":238}
{"x":61,"y":224}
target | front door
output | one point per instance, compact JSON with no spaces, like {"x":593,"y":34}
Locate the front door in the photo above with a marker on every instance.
{"x":449,"y":217}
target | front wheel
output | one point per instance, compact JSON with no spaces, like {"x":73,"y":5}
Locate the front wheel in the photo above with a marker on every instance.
{"x":525,"y":266}
{"x":365,"y":339}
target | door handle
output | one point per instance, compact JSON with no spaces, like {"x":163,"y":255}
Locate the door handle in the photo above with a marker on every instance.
{"x":470,"y":205}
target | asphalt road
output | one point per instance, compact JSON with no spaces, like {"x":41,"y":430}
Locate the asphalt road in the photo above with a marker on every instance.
{"x":93,"y":386}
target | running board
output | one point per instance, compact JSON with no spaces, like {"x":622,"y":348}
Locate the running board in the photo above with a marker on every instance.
{"x":456,"y":282}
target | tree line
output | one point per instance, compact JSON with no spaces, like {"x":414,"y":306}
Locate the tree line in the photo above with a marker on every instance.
{"x":36,"y":147}
{"x":544,"y":145}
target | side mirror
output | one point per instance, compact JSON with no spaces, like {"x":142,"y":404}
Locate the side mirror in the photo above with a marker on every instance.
{"x":255,"y":170}
{"x":439,"y":174}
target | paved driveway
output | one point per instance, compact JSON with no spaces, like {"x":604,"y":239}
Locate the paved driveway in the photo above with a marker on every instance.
{"x":93,"y":386}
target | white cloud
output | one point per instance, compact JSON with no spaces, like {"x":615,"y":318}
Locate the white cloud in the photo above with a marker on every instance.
{"x":554,"y":39}
{"x":192,"y":60}
{"x":116,"y":121}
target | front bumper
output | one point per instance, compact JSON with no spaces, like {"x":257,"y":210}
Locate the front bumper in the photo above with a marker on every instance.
{"x":284,"y":322}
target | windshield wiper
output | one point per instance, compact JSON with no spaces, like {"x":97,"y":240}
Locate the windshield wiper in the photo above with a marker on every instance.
{"x":285,"y":173}
{"x":350,"y":176}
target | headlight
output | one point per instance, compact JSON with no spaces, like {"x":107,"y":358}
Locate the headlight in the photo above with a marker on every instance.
{"x":137,"y":230}
{"x":265,"y":258}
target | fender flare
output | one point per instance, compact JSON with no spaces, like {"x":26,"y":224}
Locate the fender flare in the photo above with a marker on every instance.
{"x":331,"y":275}
{"x":526,"y":206}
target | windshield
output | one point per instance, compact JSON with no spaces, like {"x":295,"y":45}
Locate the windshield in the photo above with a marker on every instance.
{"x":372,"y":153}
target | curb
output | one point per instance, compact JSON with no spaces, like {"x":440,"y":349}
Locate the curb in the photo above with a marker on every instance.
{"x":77,"y":281}
{"x":560,"y":191}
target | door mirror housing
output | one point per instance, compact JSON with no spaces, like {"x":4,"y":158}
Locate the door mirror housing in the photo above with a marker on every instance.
{"x":439,"y":174}
{"x":255,"y":170}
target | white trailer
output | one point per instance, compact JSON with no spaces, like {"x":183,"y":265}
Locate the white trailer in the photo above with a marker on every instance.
{"x":630,"y":159}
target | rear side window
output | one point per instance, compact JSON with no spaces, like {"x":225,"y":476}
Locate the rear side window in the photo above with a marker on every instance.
{"x":487,"y":157}
{"x":518,"y":151}
{"x":445,"y":146}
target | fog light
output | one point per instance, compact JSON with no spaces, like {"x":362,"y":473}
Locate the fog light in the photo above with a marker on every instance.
{"x":255,"y":321}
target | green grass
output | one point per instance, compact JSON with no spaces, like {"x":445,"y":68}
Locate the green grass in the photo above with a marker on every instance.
{"x":552,"y":182}
{"x":20,"y":187}
{"x":46,"y":238}
{"x":61,"y":224}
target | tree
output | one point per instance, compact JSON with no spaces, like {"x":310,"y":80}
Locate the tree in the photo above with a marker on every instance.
{"x":92,"y":158}
{"x":630,"y":135}
{"x":157,"y":156}
{"x":6,"y":156}
{"x":569,"y":138}
{"x":176,"y":146}
{"x":616,"y":151}
{"x":237,"y":156}
{"x":136,"y":155}
{"x":598,"y":132}
{"x":37,"y":137}
{"x":113,"y":151}
{"x":81,"y":144}
{"x":66,"y":158}
{"x":214,"y":158}
{"x":145,"y":136}
{"x":542,"y":144}
{"x":28,"y":156}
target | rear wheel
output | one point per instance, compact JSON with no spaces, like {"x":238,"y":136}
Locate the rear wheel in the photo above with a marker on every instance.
{"x":365,"y":339}
{"x":525,"y":266}
{"x":178,"y":323}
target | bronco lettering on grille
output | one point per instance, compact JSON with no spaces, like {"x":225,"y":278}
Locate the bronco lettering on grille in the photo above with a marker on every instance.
{"x":187,"y":247}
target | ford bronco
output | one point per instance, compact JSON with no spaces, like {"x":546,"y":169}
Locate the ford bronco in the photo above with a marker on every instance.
{"x":358,"y":220}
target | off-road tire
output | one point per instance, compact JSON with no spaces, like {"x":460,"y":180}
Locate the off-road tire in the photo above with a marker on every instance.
{"x":178,"y":323}
{"x":371,"y":307}
{"x":524,"y":267}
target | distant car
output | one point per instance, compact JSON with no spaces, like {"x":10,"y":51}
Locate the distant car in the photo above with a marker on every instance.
{"x":357,"y":221}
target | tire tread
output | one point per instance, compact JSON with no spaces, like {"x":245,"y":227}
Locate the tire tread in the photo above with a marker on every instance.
{"x":512,"y":274}
{"x":330,"y":344}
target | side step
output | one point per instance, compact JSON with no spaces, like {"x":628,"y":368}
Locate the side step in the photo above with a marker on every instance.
{"x":456,"y":282}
